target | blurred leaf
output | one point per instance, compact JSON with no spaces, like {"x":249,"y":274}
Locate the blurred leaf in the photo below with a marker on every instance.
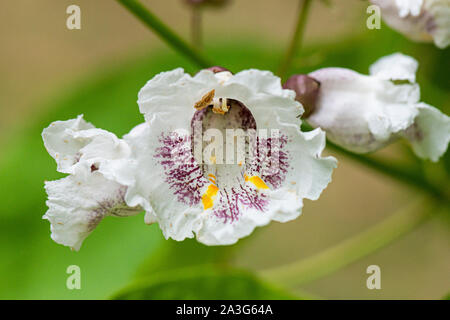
{"x":202,"y":283}
{"x":173,"y":254}
{"x":328,"y":3}
{"x":446,"y":161}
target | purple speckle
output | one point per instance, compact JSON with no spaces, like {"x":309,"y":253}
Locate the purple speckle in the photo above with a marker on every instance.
{"x":183,"y":174}
{"x":270,"y":160}
{"x":242,"y":197}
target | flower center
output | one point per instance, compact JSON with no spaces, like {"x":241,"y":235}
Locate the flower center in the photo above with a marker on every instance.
{"x":223,"y":135}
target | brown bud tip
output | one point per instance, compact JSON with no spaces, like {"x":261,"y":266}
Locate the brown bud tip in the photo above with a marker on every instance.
{"x":217,"y":69}
{"x":306,"y":89}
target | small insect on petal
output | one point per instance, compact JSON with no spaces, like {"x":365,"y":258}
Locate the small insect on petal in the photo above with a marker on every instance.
{"x":205,"y":101}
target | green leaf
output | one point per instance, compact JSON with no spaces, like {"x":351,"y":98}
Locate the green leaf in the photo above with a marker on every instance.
{"x":188,"y":253}
{"x":202,"y":283}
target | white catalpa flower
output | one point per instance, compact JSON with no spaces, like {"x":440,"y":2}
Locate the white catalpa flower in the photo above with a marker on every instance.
{"x":221,"y":154}
{"x":420,"y":20}
{"x":364,"y":113}
{"x":98,"y":164}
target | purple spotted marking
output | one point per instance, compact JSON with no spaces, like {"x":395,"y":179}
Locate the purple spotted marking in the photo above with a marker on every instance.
{"x":270,"y":160}
{"x":243,"y":196}
{"x":183,"y":174}
{"x":114,"y":205}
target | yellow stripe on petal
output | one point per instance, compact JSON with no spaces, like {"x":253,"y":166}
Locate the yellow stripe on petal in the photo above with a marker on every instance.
{"x":208,"y":197}
{"x":256,"y":181}
{"x":212,"y":178}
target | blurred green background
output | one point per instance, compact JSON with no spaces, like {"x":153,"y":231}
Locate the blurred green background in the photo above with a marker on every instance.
{"x":49,"y":73}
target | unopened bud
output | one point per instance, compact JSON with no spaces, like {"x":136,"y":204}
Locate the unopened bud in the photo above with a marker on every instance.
{"x":306,"y":89}
{"x":217,"y":69}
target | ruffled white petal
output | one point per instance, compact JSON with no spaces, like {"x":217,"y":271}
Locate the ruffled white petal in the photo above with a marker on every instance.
{"x":262,"y":93}
{"x":172,"y":92}
{"x":365,"y":113}
{"x":78,"y":147}
{"x":312,"y":171}
{"x":396,"y":66}
{"x":77,"y":205}
{"x":60,"y":144}
{"x":430,"y":133}
{"x":439,"y":26}
{"x":409,"y":7}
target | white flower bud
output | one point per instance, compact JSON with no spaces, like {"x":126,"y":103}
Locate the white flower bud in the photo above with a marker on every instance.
{"x":364,"y":113}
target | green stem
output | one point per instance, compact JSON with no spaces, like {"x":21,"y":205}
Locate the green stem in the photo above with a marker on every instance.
{"x":196,"y":26}
{"x":350,"y":250}
{"x":401,"y":173}
{"x":297,"y":38}
{"x":164,"y":32}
